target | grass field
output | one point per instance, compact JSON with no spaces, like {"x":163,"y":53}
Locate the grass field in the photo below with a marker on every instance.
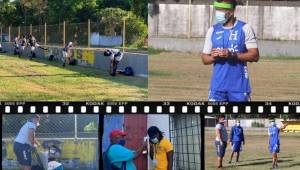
{"x":256,"y":155}
{"x":182,"y":76}
{"x":41,"y":80}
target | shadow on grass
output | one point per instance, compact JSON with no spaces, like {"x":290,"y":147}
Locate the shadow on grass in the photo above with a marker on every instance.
{"x":268,"y":158}
{"x":83,"y":71}
{"x":264,"y":162}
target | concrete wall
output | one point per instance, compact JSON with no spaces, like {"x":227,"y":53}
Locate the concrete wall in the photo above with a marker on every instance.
{"x":195,"y":45}
{"x":269,"y":22}
{"x":93,"y":58}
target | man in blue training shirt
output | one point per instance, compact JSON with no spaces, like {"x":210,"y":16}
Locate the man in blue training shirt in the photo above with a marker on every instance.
{"x":236,"y":139}
{"x":274,"y":143}
{"x":229,"y":45}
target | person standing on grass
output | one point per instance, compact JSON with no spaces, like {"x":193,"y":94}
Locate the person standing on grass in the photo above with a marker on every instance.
{"x":67,"y":53}
{"x":25,"y":142}
{"x":221,"y":140}
{"x":274,"y":143}
{"x":229,"y":45}
{"x":236,"y":139}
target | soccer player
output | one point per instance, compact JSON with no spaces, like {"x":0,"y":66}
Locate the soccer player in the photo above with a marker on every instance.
{"x":67,"y":53}
{"x":229,"y":45}
{"x":161,"y":150}
{"x":16,"y":46}
{"x":274,"y":143}
{"x":236,"y":139}
{"x":221,"y":140}
{"x":33,"y":45}
{"x":115,"y":56}
{"x":23,"y":43}
{"x":25,"y":142}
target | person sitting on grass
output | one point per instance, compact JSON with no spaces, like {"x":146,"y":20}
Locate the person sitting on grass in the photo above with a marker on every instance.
{"x":274,"y":143}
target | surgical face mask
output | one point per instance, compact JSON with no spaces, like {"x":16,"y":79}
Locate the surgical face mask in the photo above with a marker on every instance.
{"x":154,"y":140}
{"x":220,"y":17}
{"x":272,"y":123}
{"x":238,"y":124}
{"x":122,"y":142}
{"x":38,"y":124}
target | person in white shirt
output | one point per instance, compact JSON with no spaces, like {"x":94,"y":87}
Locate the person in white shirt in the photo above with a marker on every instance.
{"x":25,"y":142}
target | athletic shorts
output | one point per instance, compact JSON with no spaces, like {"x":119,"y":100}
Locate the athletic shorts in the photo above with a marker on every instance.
{"x":220,"y":148}
{"x":220,"y":96}
{"x":23,"y":153}
{"x":274,"y":148}
{"x":236,"y":146}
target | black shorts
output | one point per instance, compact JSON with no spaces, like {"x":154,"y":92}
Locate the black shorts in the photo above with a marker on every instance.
{"x":23,"y":153}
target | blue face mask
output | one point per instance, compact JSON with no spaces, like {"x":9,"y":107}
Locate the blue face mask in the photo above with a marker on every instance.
{"x":122,"y":142}
{"x":220,"y":17}
{"x":154,"y":140}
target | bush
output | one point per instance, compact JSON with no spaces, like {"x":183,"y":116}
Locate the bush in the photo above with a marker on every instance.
{"x":111,"y":20}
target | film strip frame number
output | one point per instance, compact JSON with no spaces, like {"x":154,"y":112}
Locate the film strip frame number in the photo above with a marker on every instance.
{"x":151,"y":107}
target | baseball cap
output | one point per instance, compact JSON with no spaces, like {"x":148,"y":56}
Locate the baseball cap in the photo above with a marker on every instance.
{"x":152,"y":131}
{"x":117,"y":132}
{"x":225,"y":4}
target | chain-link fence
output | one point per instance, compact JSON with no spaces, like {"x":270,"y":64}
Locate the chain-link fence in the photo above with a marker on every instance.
{"x":52,"y":126}
{"x":185,"y":134}
{"x":126,"y":33}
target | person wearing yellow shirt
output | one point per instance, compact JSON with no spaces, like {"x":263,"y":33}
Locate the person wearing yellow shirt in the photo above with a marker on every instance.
{"x":161,"y":150}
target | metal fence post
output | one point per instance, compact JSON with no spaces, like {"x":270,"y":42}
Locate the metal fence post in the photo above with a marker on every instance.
{"x":9,"y":33}
{"x":75,"y":122}
{"x":124,"y":33}
{"x":89,"y":33}
{"x":247,"y":5}
{"x":19,"y":31}
{"x":30,"y":29}
{"x":189,"y":19}
{"x":64,"y":31}
{"x":45,"y":34}
{"x":1,"y":34}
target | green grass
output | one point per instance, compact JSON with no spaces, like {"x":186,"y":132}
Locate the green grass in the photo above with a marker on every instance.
{"x":42,"y":80}
{"x":256,"y":155}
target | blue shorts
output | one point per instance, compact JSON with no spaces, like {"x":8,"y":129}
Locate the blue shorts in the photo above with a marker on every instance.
{"x":274,"y":148}
{"x":23,"y":153}
{"x":220,"y":96}
{"x":220,"y":148}
{"x":236,"y":146}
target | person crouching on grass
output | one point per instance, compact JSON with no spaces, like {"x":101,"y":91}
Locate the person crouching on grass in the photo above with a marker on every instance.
{"x":274,"y":143}
{"x":25,"y":142}
{"x":229,"y":45}
{"x":236,"y":139}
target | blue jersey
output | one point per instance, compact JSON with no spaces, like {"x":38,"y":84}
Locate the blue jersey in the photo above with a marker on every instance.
{"x":274,"y":135}
{"x":230,"y":75}
{"x":237,"y":134}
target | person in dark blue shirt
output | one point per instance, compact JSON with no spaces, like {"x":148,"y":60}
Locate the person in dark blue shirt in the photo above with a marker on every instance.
{"x":236,"y":140}
{"x":229,"y":45}
{"x":274,"y":143}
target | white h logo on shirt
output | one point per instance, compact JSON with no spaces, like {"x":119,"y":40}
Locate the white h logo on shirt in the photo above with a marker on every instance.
{"x":233,"y":36}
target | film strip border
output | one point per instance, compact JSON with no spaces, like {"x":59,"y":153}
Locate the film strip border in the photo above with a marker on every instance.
{"x":193,"y":107}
